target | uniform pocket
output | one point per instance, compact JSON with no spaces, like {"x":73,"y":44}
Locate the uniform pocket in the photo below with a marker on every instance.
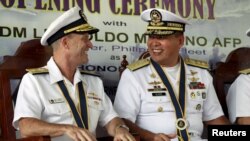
{"x":58,"y":108}
{"x":152,"y":104}
{"x":195,"y":100}
{"x":95,"y":103}
{"x":197,"y":94}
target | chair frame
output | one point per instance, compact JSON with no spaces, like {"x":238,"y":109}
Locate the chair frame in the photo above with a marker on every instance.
{"x":30,"y":54}
{"x":226,"y":72}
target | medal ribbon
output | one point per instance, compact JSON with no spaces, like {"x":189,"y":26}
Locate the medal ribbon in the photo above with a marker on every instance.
{"x":81,"y":120}
{"x":178,"y":105}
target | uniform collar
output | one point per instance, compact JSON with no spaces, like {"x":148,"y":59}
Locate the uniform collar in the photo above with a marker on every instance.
{"x":78,"y":77}
{"x":56,"y":75}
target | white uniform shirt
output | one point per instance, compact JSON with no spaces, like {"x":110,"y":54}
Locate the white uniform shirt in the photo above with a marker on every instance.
{"x":238,"y":98}
{"x":135,"y":102}
{"x":40,"y":97}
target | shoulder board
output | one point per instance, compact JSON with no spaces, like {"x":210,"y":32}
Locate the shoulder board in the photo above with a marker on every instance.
{"x":138,"y":64}
{"x":245,"y":71}
{"x":36,"y":71}
{"x":197,"y":63}
{"x":89,"y":73}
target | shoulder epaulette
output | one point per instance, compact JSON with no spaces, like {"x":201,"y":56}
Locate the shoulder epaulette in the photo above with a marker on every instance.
{"x":36,"y":71}
{"x":197,"y":63}
{"x":138,"y":64}
{"x":245,"y":71}
{"x":89,"y":73}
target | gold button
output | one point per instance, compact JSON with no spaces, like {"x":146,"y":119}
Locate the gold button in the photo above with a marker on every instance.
{"x":160,"y":109}
{"x":198,"y":107}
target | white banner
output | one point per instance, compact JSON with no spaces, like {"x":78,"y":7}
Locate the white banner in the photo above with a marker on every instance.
{"x":215,"y":29}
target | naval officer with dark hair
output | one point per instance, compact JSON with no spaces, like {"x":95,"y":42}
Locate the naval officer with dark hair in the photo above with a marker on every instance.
{"x":58,"y":99}
{"x":238,"y":97}
{"x":166,"y":97}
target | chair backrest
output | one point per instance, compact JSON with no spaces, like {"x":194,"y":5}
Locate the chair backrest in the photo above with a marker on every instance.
{"x":30,"y":54}
{"x":124,"y":64}
{"x":226,"y":72}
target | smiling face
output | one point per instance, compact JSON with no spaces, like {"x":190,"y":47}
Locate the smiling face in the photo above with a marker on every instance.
{"x":79,"y":45}
{"x":164,"y":49}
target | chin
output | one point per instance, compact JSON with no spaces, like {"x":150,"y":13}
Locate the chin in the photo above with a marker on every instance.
{"x":156,"y":59}
{"x":85,"y":61}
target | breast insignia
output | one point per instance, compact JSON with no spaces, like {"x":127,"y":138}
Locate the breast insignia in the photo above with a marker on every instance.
{"x":197,"y":63}
{"x":36,"y":71}
{"x":245,"y":71}
{"x":193,"y":72}
{"x":138,"y":64}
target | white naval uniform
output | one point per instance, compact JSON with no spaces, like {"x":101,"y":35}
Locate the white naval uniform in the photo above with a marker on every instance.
{"x":40,"y":97}
{"x":134,"y":102}
{"x":238,"y":98}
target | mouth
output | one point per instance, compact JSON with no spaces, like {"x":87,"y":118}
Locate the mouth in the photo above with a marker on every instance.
{"x":157,"y":50}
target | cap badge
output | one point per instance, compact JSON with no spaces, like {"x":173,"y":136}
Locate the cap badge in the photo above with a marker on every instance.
{"x":156,"y":18}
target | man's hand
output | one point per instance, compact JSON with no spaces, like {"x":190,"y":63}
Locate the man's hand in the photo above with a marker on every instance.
{"x":122,"y":134}
{"x":35,"y":127}
{"x":164,"y":137}
{"x":79,"y":134}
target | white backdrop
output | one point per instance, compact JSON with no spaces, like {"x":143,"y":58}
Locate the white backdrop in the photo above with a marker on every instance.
{"x":215,"y":29}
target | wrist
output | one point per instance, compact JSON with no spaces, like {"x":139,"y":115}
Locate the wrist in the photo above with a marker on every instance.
{"x":121,"y":126}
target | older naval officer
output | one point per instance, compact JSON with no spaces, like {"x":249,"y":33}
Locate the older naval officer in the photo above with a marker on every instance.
{"x":166,"y":97}
{"x":59,"y":99}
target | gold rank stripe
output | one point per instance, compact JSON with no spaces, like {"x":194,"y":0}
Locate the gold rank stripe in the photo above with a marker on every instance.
{"x":89,"y":73}
{"x":166,"y":28}
{"x":159,"y":32}
{"x":138,"y":64}
{"x":197,"y":63}
{"x":83,"y":27}
{"x":245,"y":71}
{"x":37,"y":70}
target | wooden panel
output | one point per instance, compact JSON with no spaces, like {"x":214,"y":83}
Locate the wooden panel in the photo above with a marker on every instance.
{"x":30,"y":54}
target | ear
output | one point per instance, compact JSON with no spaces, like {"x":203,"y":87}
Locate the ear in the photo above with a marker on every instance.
{"x":64,"y":42}
{"x":181,"y":40}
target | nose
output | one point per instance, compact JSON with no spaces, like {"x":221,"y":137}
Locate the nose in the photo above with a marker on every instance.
{"x":89,"y":44}
{"x":153,"y":42}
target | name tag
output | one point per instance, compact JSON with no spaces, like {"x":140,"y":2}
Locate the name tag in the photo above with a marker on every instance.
{"x":159,"y":94}
{"x":95,"y":98}
{"x":54,"y":101}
